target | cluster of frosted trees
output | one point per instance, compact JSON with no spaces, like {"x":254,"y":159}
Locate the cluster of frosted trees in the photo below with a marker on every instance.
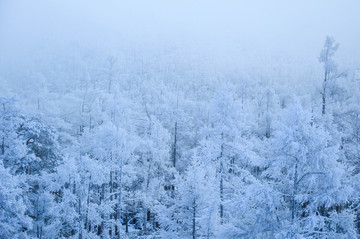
{"x":133,"y":151}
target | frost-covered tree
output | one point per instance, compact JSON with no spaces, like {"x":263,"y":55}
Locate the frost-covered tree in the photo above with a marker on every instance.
{"x":306,"y":170}
{"x":197,"y":214}
{"x":14,"y":223}
{"x":331,"y":71}
{"x":30,"y":152}
{"x":154,"y":156}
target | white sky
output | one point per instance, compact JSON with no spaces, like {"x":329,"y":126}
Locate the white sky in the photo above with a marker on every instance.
{"x":219,"y":28}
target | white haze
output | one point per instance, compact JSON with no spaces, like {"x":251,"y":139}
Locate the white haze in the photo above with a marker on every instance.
{"x":275,"y":41}
{"x":223,"y":31}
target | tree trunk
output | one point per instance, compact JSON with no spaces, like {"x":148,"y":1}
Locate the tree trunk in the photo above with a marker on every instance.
{"x":295,"y":186}
{"x":323,"y":93}
{"x":79,"y":212}
{"x":126,"y":223}
{"x":194,"y":219}
{"x":221,"y":182}
{"x":119,"y":198}
{"x":87,"y":225}
{"x":175,"y":145}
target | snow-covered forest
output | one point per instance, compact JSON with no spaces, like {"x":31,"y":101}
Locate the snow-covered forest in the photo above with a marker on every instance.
{"x":154,"y":134}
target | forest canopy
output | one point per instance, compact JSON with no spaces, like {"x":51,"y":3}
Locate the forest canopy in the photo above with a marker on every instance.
{"x":124,"y":120}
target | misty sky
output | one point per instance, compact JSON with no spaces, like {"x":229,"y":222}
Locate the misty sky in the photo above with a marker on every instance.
{"x":222,"y":29}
